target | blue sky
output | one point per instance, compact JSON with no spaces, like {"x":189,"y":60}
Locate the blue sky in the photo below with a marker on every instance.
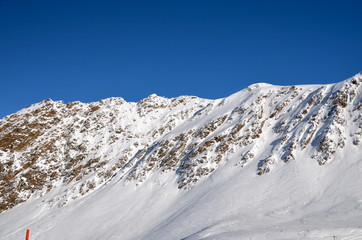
{"x":89,"y":50}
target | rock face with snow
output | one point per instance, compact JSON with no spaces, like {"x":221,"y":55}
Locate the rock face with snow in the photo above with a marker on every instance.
{"x":82,"y":147}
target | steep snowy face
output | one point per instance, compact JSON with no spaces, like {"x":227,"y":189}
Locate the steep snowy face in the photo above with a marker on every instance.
{"x":83,"y":146}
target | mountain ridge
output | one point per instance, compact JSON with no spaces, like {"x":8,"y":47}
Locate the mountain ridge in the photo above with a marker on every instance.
{"x":81,"y":147}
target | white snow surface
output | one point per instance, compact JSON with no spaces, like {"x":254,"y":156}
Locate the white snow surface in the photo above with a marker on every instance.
{"x":301,"y":197}
{"x":299,"y":201}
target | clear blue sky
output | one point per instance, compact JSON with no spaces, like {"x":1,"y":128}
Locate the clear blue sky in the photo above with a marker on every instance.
{"x":94,"y":49}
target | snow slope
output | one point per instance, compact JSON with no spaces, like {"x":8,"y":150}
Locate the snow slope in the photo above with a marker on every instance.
{"x":268,"y":162}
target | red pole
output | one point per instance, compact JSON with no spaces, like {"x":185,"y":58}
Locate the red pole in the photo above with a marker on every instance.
{"x":27,"y":234}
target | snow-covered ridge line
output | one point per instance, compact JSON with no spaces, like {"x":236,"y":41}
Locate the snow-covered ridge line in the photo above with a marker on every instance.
{"x":79,"y":147}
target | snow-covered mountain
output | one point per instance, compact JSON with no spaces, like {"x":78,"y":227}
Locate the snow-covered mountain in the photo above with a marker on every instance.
{"x":268,"y":162}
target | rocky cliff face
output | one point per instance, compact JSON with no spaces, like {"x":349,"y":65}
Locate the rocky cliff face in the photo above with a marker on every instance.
{"x":82,"y":146}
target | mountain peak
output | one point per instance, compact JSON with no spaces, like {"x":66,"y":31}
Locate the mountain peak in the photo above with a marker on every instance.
{"x":259,"y":85}
{"x":62,"y":153}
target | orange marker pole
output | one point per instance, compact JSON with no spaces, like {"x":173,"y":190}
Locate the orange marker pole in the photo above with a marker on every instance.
{"x":27,"y":234}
